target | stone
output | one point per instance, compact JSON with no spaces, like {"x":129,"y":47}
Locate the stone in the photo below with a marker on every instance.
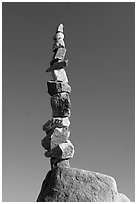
{"x":46,"y":141}
{"x":60,"y":104}
{"x":61,"y":151}
{"x":60,"y":28}
{"x":59,"y":75}
{"x":122,"y":198}
{"x":55,"y":137}
{"x":58,"y":35}
{"x":57,"y":65}
{"x":59,"y":163}
{"x":55,"y":87}
{"x":60,"y":54}
{"x":60,"y":135}
{"x":66,"y":184}
{"x":57,"y":44}
{"x":56,"y":122}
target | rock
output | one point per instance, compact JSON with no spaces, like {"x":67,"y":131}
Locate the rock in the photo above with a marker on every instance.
{"x":59,"y":75}
{"x":60,"y":54}
{"x":59,"y":162}
{"x":122,"y":198}
{"x":65,"y":184}
{"x":56,"y":122}
{"x":60,"y":28}
{"x":55,"y":87}
{"x":60,"y":135}
{"x":57,"y":65}
{"x":60,"y":104}
{"x":57,"y":44}
{"x":58,"y":35}
{"x":46,"y":141}
{"x":61,"y":151}
{"x":55,"y":137}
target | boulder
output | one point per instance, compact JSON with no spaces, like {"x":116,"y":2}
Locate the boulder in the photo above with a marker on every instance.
{"x":60,"y":28}
{"x":65,"y":184}
{"x":59,"y":75}
{"x":55,"y":87}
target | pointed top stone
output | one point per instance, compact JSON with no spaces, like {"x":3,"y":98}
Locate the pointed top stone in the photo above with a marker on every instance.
{"x":60,"y":28}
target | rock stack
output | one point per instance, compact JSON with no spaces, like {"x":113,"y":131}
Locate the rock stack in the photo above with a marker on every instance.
{"x":56,"y":142}
{"x":63,"y":183}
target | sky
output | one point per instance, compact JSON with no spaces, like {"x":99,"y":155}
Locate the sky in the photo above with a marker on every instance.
{"x":100,"y":42}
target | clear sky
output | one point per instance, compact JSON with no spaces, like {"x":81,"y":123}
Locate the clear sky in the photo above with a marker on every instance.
{"x":100,"y":41}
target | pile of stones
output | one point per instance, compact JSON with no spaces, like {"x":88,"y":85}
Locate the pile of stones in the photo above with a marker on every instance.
{"x":56,"y":142}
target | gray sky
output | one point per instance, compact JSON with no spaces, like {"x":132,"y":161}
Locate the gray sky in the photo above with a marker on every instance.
{"x":100,"y":42}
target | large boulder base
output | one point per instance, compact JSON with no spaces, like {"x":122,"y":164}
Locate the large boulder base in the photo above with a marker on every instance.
{"x":65,"y":184}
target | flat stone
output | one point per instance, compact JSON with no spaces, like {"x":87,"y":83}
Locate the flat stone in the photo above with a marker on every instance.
{"x":66,"y":184}
{"x":60,"y":104}
{"x":55,"y":87}
{"x":60,"y":54}
{"x":60,"y":28}
{"x":61,"y":151}
{"x":56,"y":122}
{"x":55,"y":137}
{"x":57,"y":44}
{"x":57,"y":65}
{"x":59,"y":75}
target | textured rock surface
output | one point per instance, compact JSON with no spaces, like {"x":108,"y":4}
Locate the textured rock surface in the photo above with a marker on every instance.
{"x":55,"y":87}
{"x":60,"y":54}
{"x":61,"y":151}
{"x":60,"y":104}
{"x":57,"y":44}
{"x":59,"y":75}
{"x":75,"y":185}
{"x":56,"y":122}
{"x":55,"y":137}
{"x":57,"y":65}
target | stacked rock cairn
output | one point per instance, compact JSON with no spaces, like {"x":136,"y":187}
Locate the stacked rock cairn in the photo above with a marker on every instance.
{"x":56,"y":142}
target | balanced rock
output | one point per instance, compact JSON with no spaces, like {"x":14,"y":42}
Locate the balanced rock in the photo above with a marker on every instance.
{"x":59,"y":162}
{"x":57,"y":65}
{"x":65,"y":184}
{"x":60,"y":104}
{"x":60,"y":28}
{"x":58,"y":35}
{"x":55,"y":87}
{"x":55,"y":137}
{"x":59,"y":75}
{"x":60,"y":54}
{"x":57,"y":44}
{"x":56,"y":122}
{"x":61,"y":151}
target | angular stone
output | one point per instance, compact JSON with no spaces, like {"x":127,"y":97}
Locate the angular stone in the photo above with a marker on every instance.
{"x":62,"y":151}
{"x":55,"y":137}
{"x":60,"y":54}
{"x":60,"y":28}
{"x":64,"y":184}
{"x":55,"y":87}
{"x":57,"y":65}
{"x":59,"y":75}
{"x":60,"y":104}
{"x":57,"y":44}
{"x":56,"y":122}
{"x":60,"y":135}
